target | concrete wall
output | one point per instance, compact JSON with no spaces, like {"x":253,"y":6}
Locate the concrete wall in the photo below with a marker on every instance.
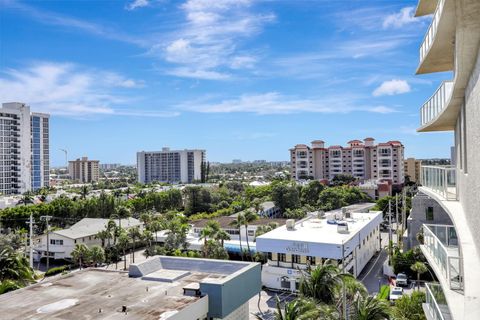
{"x":227,"y":296}
{"x":417,"y":217}
{"x":196,"y":310}
{"x":469,"y":181}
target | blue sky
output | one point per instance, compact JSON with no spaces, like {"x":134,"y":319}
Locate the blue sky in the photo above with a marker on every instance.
{"x":240,"y":78}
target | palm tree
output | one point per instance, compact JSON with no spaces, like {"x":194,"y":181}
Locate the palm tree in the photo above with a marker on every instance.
{"x":147,"y":235}
{"x":146,"y":218}
{"x":84,"y":192}
{"x":155,"y":226}
{"x":221,"y":236}
{"x":297,"y":309}
{"x":122,"y":212}
{"x":248,"y":217}
{"x":96,"y":255}
{"x":370,"y":308}
{"x":123,"y":242}
{"x":26,"y":198}
{"x":80,"y":254}
{"x":103,"y":235}
{"x":238,"y":223}
{"x":322,"y":283}
{"x":420,"y":268}
{"x":14,"y":266}
{"x":113,"y":231}
{"x":134,"y":234}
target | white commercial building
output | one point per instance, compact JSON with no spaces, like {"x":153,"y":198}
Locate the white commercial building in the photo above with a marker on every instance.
{"x":160,"y":288}
{"x":62,"y":242}
{"x":349,"y":239}
{"x":172,"y":166}
{"x":452,"y":45}
{"x":24,"y":149}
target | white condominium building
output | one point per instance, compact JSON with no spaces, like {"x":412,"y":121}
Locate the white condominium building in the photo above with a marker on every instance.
{"x":363,"y":160}
{"x":84,"y":170}
{"x":348,"y":238}
{"x":172,"y":166}
{"x":452,"y":43}
{"x":24,"y":149}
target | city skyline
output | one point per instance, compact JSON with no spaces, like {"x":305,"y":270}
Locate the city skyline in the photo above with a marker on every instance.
{"x":140,"y":75}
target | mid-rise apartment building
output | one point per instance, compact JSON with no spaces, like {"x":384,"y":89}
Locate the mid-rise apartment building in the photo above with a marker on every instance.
{"x":364,"y":160}
{"x":452,"y":43}
{"x":412,"y":169}
{"x":84,"y":170}
{"x":172,"y":166}
{"x":24,"y":149}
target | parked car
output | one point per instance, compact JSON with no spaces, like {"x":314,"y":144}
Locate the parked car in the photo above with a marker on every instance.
{"x":402,"y":280}
{"x":395,"y":293}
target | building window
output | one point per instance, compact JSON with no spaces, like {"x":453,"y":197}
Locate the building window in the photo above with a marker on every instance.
{"x":282,"y":257}
{"x":310,"y":260}
{"x":56,"y":242}
{"x":429,"y":214}
{"x":295,"y":258}
{"x":251,"y":233}
{"x":269,"y":255}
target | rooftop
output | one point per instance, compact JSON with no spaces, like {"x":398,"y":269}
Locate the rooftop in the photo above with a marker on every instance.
{"x":91,"y":226}
{"x":315,"y":230}
{"x":151,"y":290}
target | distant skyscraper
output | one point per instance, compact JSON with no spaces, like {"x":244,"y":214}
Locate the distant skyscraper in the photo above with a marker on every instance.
{"x":173,"y":166}
{"x":24,"y":149}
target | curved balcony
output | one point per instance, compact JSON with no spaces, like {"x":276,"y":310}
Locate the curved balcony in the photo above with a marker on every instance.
{"x":440,"y":180}
{"x":434,"y":115}
{"x":437,"y":49}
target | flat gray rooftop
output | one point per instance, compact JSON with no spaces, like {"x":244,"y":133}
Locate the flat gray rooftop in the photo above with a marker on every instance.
{"x":80,"y":295}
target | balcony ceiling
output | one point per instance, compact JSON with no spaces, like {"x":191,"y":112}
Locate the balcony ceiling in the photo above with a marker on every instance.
{"x":425,"y":7}
{"x":440,"y":55}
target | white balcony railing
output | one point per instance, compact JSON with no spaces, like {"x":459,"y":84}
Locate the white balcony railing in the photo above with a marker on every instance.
{"x":442,"y":243}
{"x":437,"y":102}
{"x":436,"y":303}
{"x":432,"y":30}
{"x":441,"y":180}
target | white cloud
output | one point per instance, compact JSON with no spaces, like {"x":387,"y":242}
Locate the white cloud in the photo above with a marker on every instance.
{"x":276,"y":103}
{"x":392,"y":87}
{"x":207,"y":43}
{"x":400,"y":19}
{"x":137,"y":4}
{"x":67,"y":89}
{"x":56,"y":19}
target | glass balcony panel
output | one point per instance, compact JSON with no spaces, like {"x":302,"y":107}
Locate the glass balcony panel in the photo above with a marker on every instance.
{"x":436,"y":304}
{"x":441,"y":180}
{"x":442,"y":244}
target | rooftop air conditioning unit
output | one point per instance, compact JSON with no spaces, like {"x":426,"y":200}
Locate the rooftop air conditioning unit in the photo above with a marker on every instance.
{"x":342,"y":227}
{"x":290,"y":224}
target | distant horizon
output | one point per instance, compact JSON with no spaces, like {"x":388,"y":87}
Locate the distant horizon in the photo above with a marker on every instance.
{"x":122,"y":76}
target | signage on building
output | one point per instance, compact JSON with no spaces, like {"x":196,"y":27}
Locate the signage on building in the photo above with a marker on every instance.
{"x":298,"y":247}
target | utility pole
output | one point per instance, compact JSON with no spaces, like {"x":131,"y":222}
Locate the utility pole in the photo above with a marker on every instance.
{"x":31,"y":242}
{"x":404,"y":213}
{"x":344,"y":291}
{"x":47,"y":220}
{"x":390,"y":229}
{"x":396,"y":217}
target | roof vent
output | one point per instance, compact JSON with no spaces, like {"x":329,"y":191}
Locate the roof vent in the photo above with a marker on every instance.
{"x":290,"y":224}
